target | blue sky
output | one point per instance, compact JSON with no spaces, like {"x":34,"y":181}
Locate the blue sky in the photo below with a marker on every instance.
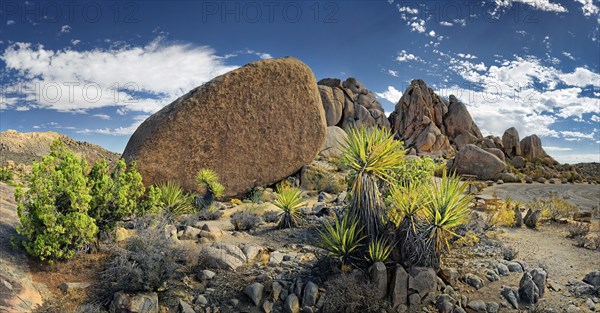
{"x":95,"y":70}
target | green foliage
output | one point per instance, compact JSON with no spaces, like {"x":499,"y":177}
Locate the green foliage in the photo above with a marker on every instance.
{"x":208,"y":180}
{"x":415,"y":171}
{"x":152,"y":202}
{"x":54,"y":210}
{"x":380,"y":250}
{"x":114,"y":195}
{"x":289,"y":200}
{"x":447,"y":209}
{"x":341,"y":239}
{"x":553,"y":207}
{"x":406,"y":201}
{"x":174,"y":199}
{"x":504,"y":215}
{"x":6,"y":174}
{"x":372,"y":155}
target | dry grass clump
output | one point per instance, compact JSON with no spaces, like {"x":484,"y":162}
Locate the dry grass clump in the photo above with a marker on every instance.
{"x":347,"y":293}
{"x":554,"y":207}
{"x":245,"y":220}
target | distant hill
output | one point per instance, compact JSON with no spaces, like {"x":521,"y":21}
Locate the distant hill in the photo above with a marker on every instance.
{"x":24,"y":148}
{"x":590,"y":171}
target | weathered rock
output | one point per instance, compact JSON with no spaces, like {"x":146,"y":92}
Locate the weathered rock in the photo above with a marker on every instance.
{"x":458,"y":120}
{"x":331,"y":82}
{"x":422,"y":280}
{"x":267,"y":306}
{"x":277,"y":288}
{"x":532,"y":218}
{"x":538,"y":276}
{"x":492,"y":276}
{"x":449,"y":275}
{"x":518,"y":162}
{"x":414,"y":300}
{"x":477,"y":306}
{"x":444,"y":303}
{"x":292,"y":305}
{"x":270,"y":109}
{"x":254,"y":291}
{"x":201,"y":300}
{"x":251,"y":251}
{"x":508,"y":178}
{"x":399,"y":293}
{"x":333,"y":146}
{"x":378,"y":277}
{"x":518,"y":217}
{"x":531,"y":148}
{"x":67,"y":287}
{"x":218,"y":258}
{"x":579,"y":288}
{"x":206,"y":275}
{"x":465,"y":139}
{"x":473,"y":280}
{"x":497,"y":152}
{"x":528,"y":180}
{"x":541,"y":180}
{"x":184,"y":307}
{"x":333,"y":104}
{"x":472,"y":160}
{"x":514,"y":267}
{"x":511,"y":143}
{"x":492,"y":307}
{"x":593,"y":278}
{"x":511,"y":295}
{"x":311,"y":292}
{"x":528,"y":290}
{"x":134,"y":303}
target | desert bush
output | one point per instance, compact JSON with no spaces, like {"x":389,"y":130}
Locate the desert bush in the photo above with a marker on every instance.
{"x":341,"y":239}
{"x":553,"y":207}
{"x":379,"y":250}
{"x":271,"y":216}
{"x":372,"y":155}
{"x":578,"y":230}
{"x":469,"y":239}
{"x":324,"y":180}
{"x":174,"y":199}
{"x":146,"y":262}
{"x":289,"y":200}
{"x":504,"y":215}
{"x":447,"y":209}
{"x":348,"y":294}
{"x":208,"y":180}
{"x":415,"y":171}
{"x":6,"y":174}
{"x":245,"y":220}
{"x":151,"y":203}
{"x":210,"y":214}
{"x":53,"y":212}
{"x":115,"y":195}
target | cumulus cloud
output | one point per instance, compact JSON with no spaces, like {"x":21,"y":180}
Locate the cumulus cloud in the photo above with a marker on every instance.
{"x":393,"y":73}
{"x":65,"y":29}
{"x":10,"y":22}
{"x":404,"y":56}
{"x":554,"y":149}
{"x":119,"y":131}
{"x":132,"y":78}
{"x":391,"y":94}
{"x":542,"y":5}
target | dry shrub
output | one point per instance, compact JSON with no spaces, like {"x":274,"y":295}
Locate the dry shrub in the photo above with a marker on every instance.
{"x":554,"y":207}
{"x":503,"y":216}
{"x":271,"y":216}
{"x":346,"y":293}
{"x":210,"y":214}
{"x":578,"y":230}
{"x":245,"y":220}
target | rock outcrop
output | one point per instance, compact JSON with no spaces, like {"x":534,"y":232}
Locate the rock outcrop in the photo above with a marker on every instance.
{"x":349,"y":103}
{"x":511,"y":143}
{"x":472,"y":160}
{"x":531,"y":149}
{"x":254,"y":126}
{"x":458,"y":121}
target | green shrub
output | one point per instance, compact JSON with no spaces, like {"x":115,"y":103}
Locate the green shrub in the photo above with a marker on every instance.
{"x":114,"y":195}
{"x":53,"y":212}
{"x":372,"y":155}
{"x":151,"y":203}
{"x":553,"y":207}
{"x":245,"y":220}
{"x":208,"y":180}
{"x":415,"y":171}
{"x":174,"y":199}
{"x":379,"y":250}
{"x":289,"y":200}
{"x":341,"y":239}
{"x":6,"y":174}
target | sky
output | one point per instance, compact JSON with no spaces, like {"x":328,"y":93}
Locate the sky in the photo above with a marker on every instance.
{"x":95,"y":70}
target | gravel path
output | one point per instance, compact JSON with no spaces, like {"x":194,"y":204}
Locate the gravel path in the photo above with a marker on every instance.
{"x":586,"y":196}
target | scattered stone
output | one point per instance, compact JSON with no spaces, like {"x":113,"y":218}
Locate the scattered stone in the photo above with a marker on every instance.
{"x":528,"y":180}
{"x":538,"y":276}
{"x":449,"y":275}
{"x":502,"y":269}
{"x":541,"y":180}
{"x":190,"y":233}
{"x":67,"y":287}
{"x":422,"y":280}
{"x":511,"y":295}
{"x":139,"y":303}
{"x":184,"y":307}
{"x":472,"y":160}
{"x":399,"y":293}
{"x":235,"y":302}
{"x":593,"y":278}
{"x":292,"y":305}
{"x":279,"y":129}
{"x":518,"y":218}
{"x":492,"y":307}
{"x":579,"y":288}
{"x":477,"y":306}
{"x":491,"y":276}
{"x":590,"y":304}
{"x":518,"y":162}
{"x":217,"y":258}
{"x":311,"y":292}
{"x":459,"y":310}
{"x":513,"y":266}
{"x":500,"y":182}
{"x":378,"y":276}
{"x":254,"y":291}
{"x":251,"y":251}
{"x":201,"y":300}
{"x":277,"y":288}
{"x":473,"y":280}
{"x":267,"y":306}
{"x":414,"y":300}
{"x":528,"y":290}
{"x":206,"y":275}
{"x":532,"y":217}
{"x":444,"y":303}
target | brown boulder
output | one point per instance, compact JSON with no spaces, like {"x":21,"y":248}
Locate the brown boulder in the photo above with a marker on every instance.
{"x":472,"y":160}
{"x":254,"y":126}
{"x":333,"y":146}
{"x":511,"y":143}
{"x":497,"y":152}
{"x":333,"y":104}
{"x":464,"y":139}
{"x":531,"y":148}
{"x":458,"y":120}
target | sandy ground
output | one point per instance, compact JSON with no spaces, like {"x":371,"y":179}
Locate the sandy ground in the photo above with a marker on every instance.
{"x":586,"y":196}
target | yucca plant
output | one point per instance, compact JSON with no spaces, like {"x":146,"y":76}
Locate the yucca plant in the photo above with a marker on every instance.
{"x":380,"y":250}
{"x":447,"y":209}
{"x":208,"y":180}
{"x":289,"y":200}
{"x":342,"y":239}
{"x":372,"y":155}
{"x":174,"y":199}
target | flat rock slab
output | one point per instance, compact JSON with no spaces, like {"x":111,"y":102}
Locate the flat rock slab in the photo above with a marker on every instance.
{"x":254,"y":126}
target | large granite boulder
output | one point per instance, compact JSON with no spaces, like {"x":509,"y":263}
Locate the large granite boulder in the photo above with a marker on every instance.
{"x":458,"y":120}
{"x":349,"y":104}
{"x":472,"y":160}
{"x":511,"y":143}
{"x":531,"y":148}
{"x":418,"y":119}
{"x":333,"y":146}
{"x":254,"y":126}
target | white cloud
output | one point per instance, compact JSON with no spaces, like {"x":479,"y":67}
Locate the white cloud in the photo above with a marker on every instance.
{"x":407,"y":9}
{"x":404,"y":56}
{"x":102,"y":116}
{"x":391,"y":94}
{"x":393,"y":73}
{"x":417,"y":25}
{"x":77,"y":81}
{"x":571,"y":158}
{"x":467,"y":56}
{"x":10,"y":22}
{"x":595,"y":118}
{"x":554,"y":149}
{"x":65,"y":29}
{"x":119,"y":131}
{"x":75,"y":42}
{"x":589,"y":8}
{"x":576,"y":135}
{"x":568,"y":55}
{"x":542,"y":5}
{"x":432,"y":33}
{"x":445,"y":23}
{"x":581,"y":77}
